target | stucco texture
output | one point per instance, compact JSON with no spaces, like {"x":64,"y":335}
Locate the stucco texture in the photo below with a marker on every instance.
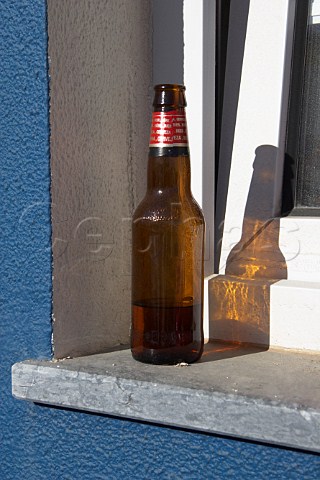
{"x":43,"y":443}
{"x":100,"y":78}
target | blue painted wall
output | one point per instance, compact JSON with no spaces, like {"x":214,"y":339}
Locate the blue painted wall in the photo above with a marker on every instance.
{"x":43,"y":443}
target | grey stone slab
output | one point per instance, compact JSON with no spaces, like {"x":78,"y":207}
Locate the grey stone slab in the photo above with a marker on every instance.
{"x":269,"y":396}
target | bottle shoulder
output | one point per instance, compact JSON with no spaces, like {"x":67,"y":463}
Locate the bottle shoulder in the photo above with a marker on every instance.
{"x":168,"y":206}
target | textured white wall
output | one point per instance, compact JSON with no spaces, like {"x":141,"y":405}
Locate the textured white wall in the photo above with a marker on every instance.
{"x":167,"y":41}
{"x":101,"y":72}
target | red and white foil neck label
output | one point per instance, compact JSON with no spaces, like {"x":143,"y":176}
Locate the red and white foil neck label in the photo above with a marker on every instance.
{"x":169,"y":129}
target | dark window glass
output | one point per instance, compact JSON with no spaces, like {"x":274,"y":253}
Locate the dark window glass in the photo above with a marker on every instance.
{"x":308,"y":168}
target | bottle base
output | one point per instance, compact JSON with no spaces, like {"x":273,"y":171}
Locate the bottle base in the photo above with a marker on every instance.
{"x":165,"y":356}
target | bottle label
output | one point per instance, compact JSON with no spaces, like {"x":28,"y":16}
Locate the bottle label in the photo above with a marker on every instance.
{"x":169,"y":129}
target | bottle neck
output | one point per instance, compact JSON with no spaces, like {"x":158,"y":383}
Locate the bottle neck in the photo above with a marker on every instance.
{"x":169,"y":172}
{"x":169,"y":164}
{"x":168,"y":135}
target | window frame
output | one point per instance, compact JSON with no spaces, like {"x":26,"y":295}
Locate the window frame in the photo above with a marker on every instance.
{"x":294,"y":119}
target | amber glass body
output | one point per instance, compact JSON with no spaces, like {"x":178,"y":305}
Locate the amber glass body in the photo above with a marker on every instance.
{"x":167,"y":255}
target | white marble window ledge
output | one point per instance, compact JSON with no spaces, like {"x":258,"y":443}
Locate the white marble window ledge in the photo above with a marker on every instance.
{"x":268,"y":396}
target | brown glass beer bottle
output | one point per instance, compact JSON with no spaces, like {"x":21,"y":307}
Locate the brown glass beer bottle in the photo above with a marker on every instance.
{"x":167,"y":244}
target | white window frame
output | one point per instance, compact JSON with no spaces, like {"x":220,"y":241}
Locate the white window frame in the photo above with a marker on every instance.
{"x":261,"y":119}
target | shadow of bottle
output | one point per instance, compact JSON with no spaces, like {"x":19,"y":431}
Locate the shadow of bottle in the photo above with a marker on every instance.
{"x":257,"y":254}
{"x":239,"y":301}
